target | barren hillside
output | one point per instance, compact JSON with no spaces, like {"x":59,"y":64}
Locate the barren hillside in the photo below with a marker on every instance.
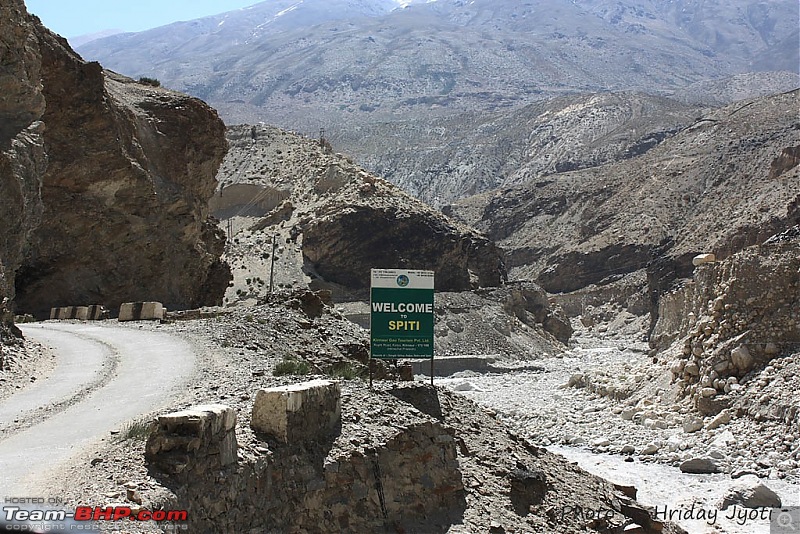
{"x":728,"y":180}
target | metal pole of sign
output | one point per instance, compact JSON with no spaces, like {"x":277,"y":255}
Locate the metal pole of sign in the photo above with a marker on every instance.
{"x":369,"y":362}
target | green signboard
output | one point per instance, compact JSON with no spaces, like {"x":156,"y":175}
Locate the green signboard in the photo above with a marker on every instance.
{"x":401,"y":305}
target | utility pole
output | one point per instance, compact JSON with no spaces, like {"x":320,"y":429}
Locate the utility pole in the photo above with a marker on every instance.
{"x":272,"y":266}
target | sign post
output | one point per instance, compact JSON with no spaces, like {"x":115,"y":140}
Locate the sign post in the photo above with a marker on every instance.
{"x":401,"y":315}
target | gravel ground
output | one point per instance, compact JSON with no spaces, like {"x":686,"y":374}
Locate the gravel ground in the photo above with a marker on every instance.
{"x":23,"y":364}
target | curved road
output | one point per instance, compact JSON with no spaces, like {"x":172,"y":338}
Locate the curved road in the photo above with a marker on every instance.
{"x":105,"y":376}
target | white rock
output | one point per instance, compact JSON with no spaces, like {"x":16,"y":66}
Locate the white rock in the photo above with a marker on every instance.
{"x":465,"y":386}
{"x":723,"y":440}
{"x":654,"y":424}
{"x":601,"y":442}
{"x":650,"y":448}
{"x":701,"y":259}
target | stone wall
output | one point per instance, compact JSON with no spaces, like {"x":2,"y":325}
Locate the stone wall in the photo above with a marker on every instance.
{"x":389,"y":479}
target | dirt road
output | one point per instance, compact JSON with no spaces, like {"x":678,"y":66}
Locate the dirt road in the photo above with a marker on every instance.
{"x":105,"y":376}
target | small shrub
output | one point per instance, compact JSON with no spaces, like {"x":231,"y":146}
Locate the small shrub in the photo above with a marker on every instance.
{"x":149,"y":81}
{"x":291,"y":366}
{"x":136,"y":430}
{"x":347,"y":371}
{"x":248,"y":318}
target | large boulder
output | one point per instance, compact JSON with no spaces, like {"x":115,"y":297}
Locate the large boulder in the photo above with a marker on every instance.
{"x":750,"y":493}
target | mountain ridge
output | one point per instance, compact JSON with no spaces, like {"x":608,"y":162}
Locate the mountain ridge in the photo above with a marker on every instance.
{"x":458,"y":55}
{"x":378,"y":79}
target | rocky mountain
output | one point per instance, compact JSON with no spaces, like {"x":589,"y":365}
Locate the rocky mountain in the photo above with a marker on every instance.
{"x":79,"y":40}
{"x":105,"y":181}
{"x":316,"y":63}
{"x":727,"y":181}
{"x":447,"y":159}
{"x":396,"y":87}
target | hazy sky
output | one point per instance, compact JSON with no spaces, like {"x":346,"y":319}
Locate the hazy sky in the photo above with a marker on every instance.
{"x":72,"y":18}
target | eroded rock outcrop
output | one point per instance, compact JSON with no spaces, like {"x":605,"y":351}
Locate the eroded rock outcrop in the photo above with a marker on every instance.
{"x":334,"y":221}
{"x":109,"y":192}
{"x":344,"y":246}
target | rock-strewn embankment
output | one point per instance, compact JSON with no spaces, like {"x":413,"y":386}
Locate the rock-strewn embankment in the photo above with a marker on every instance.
{"x":732,"y":320}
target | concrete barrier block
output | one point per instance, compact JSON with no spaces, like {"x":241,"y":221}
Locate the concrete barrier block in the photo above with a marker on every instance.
{"x":141,"y":311}
{"x":96,"y":313}
{"x":152,"y":311}
{"x":53,"y":313}
{"x":63,"y":313}
{"x":80,"y":313}
{"x":298,"y":412}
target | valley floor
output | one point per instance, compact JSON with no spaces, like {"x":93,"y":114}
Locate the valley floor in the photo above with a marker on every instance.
{"x":605,"y":405}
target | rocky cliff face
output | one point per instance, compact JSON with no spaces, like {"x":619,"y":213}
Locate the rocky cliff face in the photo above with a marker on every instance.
{"x":22,"y":158}
{"x":109,"y":192}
